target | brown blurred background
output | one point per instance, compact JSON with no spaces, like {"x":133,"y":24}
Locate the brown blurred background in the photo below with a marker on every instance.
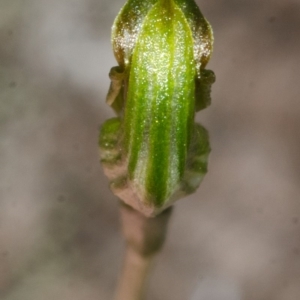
{"x":237,"y":238}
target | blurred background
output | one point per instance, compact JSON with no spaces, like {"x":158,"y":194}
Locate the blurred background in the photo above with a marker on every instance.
{"x":236,"y":238}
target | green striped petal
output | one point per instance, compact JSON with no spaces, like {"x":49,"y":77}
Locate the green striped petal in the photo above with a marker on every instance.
{"x":160,"y":103}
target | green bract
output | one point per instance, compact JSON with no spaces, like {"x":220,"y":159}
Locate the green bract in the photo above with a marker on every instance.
{"x":154,"y":153}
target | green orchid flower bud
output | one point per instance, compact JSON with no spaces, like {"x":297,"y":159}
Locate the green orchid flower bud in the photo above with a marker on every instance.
{"x":154,"y":153}
{"x":128,"y":24}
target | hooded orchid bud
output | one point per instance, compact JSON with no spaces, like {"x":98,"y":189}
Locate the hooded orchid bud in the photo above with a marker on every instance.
{"x":128,"y":24}
{"x":154,"y":153}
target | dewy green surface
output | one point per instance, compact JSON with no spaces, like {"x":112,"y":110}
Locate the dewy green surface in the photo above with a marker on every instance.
{"x":154,"y":153}
{"x":130,"y":19}
{"x":201,"y":31}
{"x":126,"y":28}
{"x":160,"y":101}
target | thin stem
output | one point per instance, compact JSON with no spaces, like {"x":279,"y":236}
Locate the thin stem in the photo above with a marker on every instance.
{"x":133,"y":277}
{"x":144,"y":238}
